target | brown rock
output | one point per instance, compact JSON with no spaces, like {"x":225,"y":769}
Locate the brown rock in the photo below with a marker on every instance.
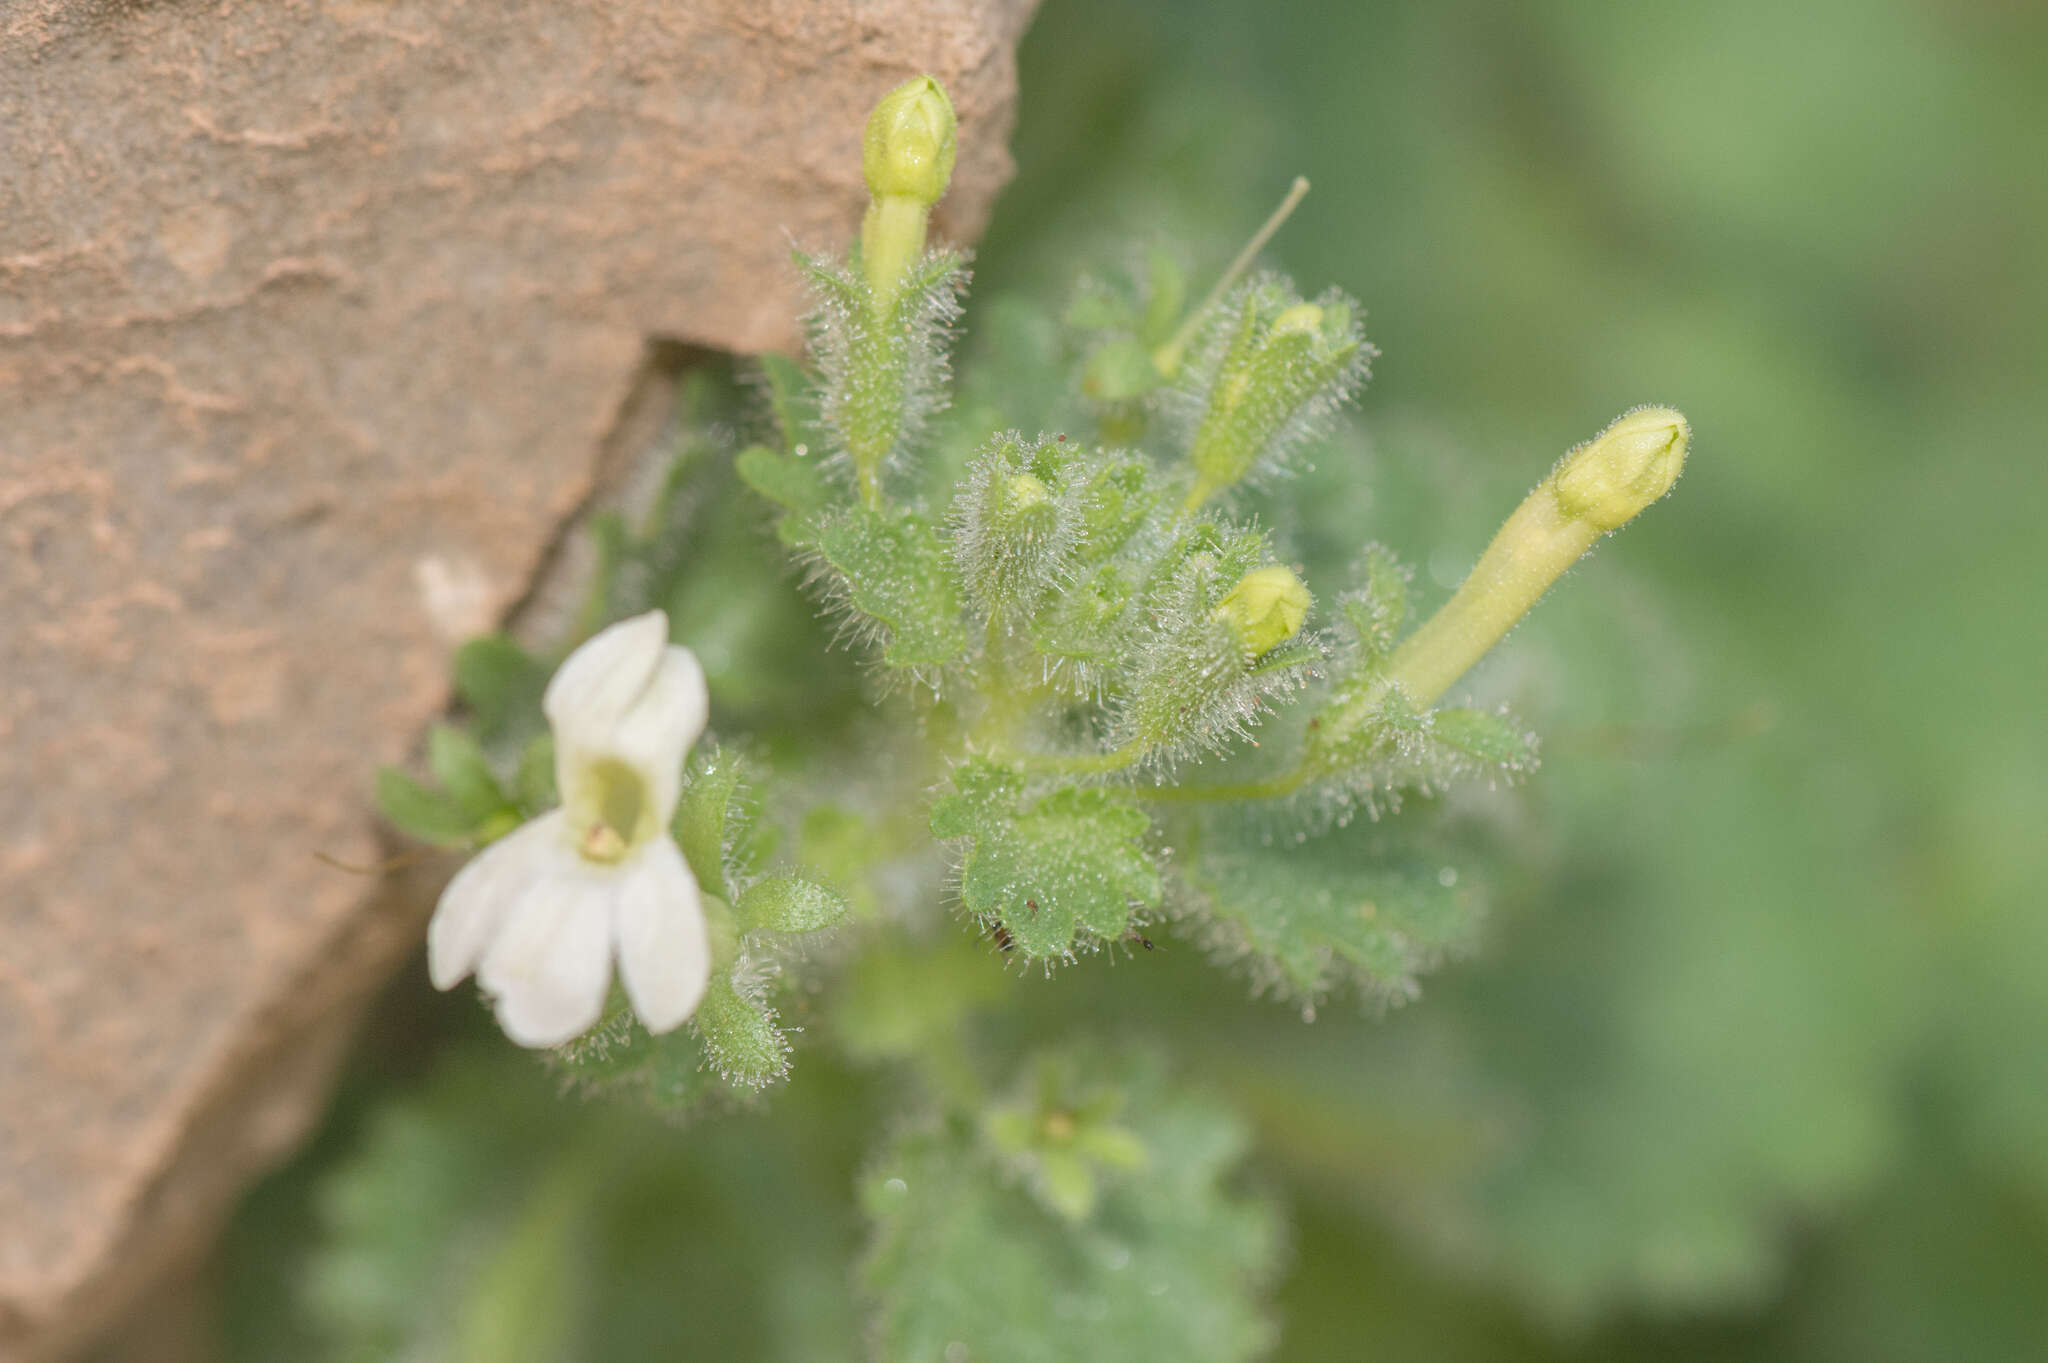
{"x":314,"y":315}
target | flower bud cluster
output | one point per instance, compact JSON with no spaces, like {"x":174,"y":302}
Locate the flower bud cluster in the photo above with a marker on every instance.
{"x":1267,"y":375}
{"x":1218,"y":637}
{"x":1017,"y":522}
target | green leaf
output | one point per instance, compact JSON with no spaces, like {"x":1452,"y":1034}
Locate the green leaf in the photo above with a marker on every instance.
{"x":1155,"y":1262}
{"x":717,"y":821}
{"x":1376,"y":610}
{"x":1485,"y":738}
{"x":455,"y":1222}
{"x":534,"y":786}
{"x":791,"y":398}
{"x":790,"y":904}
{"x":425,"y":814}
{"x":892,"y":568}
{"x":502,"y":685}
{"x":459,"y":765}
{"x":619,"y":1056}
{"x":795,"y":483}
{"x":740,"y":1036}
{"x":1065,"y":866}
{"x":1312,"y":912}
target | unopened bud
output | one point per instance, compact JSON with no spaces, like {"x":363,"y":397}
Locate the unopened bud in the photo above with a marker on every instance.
{"x":1597,"y":487}
{"x":1306,"y":318}
{"x":1266,"y":608}
{"x":1023,"y":506}
{"x":1632,"y":463}
{"x":907,"y":150}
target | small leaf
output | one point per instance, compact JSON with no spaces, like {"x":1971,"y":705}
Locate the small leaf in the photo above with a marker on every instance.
{"x":791,"y":481}
{"x":501,"y":684}
{"x":791,"y":398}
{"x":619,"y":1056}
{"x":424,"y":814}
{"x":740,"y":1036}
{"x":1313,"y":912}
{"x":1376,"y":610}
{"x":1070,"y":862}
{"x":1158,"y":1262}
{"x":1486,"y":738}
{"x":459,"y":765}
{"x":892,"y":568}
{"x":789,"y":904}
{"x":717,"y":821}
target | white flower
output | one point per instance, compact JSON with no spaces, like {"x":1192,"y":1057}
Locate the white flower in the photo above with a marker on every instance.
{"x":540,"y":913}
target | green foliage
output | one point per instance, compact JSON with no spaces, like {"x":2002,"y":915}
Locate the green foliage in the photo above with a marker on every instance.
{"x":1161,"y":1260}
{"x":501,"y":684}
{"x":1705,"y":998}
{"x":888,"y":572}
{"x":1374,"y":611}
{"x":453,"y":1234}
{"x":740,"y":1035}
{"x":429,"y":815}
{"x":1059,"y":871}
{"x":718,"y":821}
{"x":1307,"y":913}
{"x":458,"y":764}
{"x":885,"y":369}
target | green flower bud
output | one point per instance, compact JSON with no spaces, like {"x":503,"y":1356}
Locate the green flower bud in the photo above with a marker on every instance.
{"x":1282,"y":365}
{"x":907,"y":150}
{"x":1616,"y":474}
{"x":1265,"y":608}
{"x":1304,"y":318}
{"x":1594,"y":489}
{"x":907,"y":156}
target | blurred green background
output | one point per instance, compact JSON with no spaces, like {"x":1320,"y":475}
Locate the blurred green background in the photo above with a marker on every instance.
{"x":1754,"y":1063}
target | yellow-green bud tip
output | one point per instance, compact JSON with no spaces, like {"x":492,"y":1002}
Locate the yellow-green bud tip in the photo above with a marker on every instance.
{"x":1302,"y":317}
{"x":1265,"y":608}
{"x":1617,"y":473}
{"x":907,"y":151}
{"x":1026,"y":492}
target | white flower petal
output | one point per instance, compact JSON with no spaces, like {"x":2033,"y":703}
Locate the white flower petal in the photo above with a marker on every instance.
{"x":596,"y":685}
{"x":551,"y":964}
{"x":656,"y":733}
{"x":664,"y":946}
{"x":475,"y":904}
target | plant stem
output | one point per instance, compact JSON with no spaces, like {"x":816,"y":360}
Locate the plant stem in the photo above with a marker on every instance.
{"x":1168,"y":357}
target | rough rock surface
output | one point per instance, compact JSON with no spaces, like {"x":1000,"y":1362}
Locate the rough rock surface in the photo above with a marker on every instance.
{"x":314,"y":318}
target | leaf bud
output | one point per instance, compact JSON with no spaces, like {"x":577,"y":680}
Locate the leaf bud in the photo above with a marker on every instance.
{"x":1631,"y":464}
{"x":1266,"y":608}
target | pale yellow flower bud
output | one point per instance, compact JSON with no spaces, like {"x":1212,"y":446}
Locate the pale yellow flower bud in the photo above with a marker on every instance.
{"x":907,"y":156}
{"x":907,"y":150}
{"x":1597,"y":487}
{"x":1306,"y":318}
{"x":1616,"y":474}
{"x":1266,"y":608}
